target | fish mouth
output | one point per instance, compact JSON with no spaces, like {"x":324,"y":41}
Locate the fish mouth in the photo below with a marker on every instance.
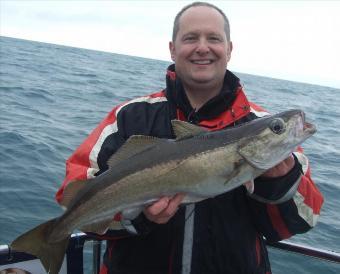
{"x":309,"y":127}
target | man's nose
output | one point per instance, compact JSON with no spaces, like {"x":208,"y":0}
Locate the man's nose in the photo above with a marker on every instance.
{"x":202,"y":47}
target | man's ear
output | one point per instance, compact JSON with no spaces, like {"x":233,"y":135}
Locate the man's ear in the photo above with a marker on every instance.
{"x":230,"y":49}
{"x":172,"y":50}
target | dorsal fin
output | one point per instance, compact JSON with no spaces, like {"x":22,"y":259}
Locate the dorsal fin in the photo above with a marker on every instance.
{"x":71,"y":191}
{"x":134,"y":145}
{"x":185,"y":130}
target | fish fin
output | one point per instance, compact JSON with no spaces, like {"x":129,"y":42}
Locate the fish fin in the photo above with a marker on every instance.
{"x":134,"y":145}
{"x":98,"y":227}
{"x":185,"y":130}
{"x":71,"y":191}
{"x":131,"y":213}
{"x":114,"y":225}
{"x":35,"y":242}
{"x":249,"y":186}
{"x":258,"y":160}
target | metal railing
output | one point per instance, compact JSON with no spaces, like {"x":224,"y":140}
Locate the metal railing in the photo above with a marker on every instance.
{"x":307,"y":251}
{"x":75,"y":253}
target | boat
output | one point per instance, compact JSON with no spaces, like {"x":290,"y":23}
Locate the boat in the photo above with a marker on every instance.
{"x":11,"y":260}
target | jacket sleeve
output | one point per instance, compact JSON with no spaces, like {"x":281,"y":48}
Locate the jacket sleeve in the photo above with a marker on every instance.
{"x":90,"y":158}
{"x":286,"y":205}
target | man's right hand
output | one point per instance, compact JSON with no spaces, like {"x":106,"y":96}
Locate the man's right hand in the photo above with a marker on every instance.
{"x":161,"y":211}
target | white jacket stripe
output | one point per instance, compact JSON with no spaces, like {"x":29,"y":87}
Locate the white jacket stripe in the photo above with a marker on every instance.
{"x":305,"y":211}
{"x":112,"y":128}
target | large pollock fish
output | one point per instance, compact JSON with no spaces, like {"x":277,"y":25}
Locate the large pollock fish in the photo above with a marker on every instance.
{"x":199,"y":163}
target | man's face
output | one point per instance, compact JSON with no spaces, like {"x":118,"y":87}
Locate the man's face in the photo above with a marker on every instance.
{"x":201,"y":50}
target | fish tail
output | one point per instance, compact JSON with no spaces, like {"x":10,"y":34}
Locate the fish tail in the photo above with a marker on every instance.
{"x":35,"y":242}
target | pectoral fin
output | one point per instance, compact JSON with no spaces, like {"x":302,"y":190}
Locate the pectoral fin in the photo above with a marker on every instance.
{"x":249,"y":152}
{"x":263,"y":160}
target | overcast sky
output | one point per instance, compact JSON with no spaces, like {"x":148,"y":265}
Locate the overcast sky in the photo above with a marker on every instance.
{"x":294,"y":40}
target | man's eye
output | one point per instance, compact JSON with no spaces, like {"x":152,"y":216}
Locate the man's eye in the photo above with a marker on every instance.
{"x":189,"y":38}
{"x":215,"y":38}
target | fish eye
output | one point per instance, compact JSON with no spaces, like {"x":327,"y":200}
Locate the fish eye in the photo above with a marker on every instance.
{"x":277,"y":126}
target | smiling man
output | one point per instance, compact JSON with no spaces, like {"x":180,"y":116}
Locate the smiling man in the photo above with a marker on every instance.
{"x":224,"y":234}
{"x":201,"y":50}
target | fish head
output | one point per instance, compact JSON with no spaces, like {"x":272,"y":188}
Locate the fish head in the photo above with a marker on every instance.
{"x":276,"y":137}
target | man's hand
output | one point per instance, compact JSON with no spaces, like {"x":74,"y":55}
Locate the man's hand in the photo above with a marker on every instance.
{"x":161,"y":211}
{"x":280,"y":169}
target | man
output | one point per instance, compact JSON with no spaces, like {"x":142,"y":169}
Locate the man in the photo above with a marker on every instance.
{"x":224,"y":234}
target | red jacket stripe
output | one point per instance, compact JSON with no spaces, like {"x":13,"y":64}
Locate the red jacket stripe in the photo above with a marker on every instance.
{"x":82,"y":164}
{"x":277,"y":221}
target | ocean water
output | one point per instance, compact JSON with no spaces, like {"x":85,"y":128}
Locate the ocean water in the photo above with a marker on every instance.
{"x":53,"y":96}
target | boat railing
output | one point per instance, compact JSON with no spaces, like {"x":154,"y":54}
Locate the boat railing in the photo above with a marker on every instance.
{"x":75,"y":254}
{"x":317,"y":253}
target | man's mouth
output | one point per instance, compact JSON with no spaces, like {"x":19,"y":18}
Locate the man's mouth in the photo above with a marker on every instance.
{"x":202,"y":62}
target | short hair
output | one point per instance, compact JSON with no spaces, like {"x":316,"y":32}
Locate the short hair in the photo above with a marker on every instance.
{"x":200,"y":4}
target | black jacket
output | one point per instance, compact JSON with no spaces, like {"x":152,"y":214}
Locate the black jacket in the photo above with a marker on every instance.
{"x":224,"y":234}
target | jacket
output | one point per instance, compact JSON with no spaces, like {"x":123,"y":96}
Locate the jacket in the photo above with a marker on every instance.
{"x":224,"y":234}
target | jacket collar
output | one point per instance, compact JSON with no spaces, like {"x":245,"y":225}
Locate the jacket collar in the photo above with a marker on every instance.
{"x":214,"y":107}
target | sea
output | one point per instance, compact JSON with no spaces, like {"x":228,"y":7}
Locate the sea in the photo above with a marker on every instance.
{"x":53,"y":96}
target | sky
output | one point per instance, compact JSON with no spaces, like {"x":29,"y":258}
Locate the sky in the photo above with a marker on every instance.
{"x":292,"y":40}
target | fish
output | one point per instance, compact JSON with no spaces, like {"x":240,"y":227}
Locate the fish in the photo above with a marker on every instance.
{"x":200,"y":163}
